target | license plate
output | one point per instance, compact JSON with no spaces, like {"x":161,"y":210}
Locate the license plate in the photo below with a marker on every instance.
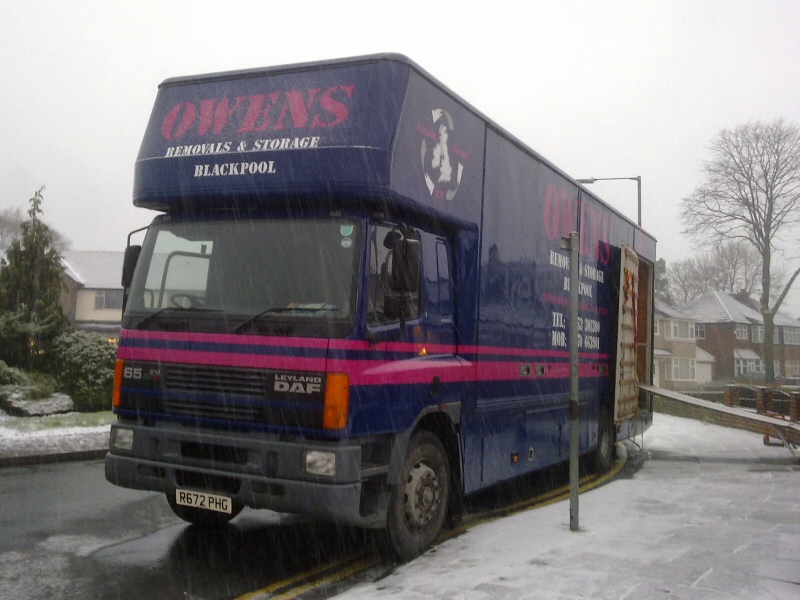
{"x":202,"y":500}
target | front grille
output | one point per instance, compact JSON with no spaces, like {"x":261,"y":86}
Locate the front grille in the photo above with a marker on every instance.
{"x":215,"y":380}
{"x":225,"y":411}
{"x":230,"y":395}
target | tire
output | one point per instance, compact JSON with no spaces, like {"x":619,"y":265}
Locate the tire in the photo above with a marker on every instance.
{"x":419,"y":502}
{"x":201,"y":516}
{"x":603,"y":457}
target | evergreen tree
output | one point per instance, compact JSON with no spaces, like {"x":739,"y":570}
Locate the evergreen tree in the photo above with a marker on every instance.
{"x":661,"y":283}
{"x":30,"y":288}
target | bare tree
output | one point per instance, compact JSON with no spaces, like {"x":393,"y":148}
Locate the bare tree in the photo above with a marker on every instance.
{"x":731,"y":266}
{"x":751,"y":193}
{"x":60,"y":241}
{"x":685,"y":282}
{"x":10,"y":221}
{"x":736,"y":267}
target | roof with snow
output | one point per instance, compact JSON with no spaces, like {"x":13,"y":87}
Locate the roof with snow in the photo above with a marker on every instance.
{"x":725,"y":307}
{"x":97,"y":270}
{"x":702,"y":356}
{"x":662,"y":308}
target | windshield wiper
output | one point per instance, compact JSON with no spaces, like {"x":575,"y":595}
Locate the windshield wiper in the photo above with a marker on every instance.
{"x":283,"y":310}
{"x":170,"y":309}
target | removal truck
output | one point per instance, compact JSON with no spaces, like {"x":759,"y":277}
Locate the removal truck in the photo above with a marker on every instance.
{"x":355,"y":303}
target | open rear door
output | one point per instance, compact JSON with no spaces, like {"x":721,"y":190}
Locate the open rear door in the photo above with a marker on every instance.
{"x":626,"y":389}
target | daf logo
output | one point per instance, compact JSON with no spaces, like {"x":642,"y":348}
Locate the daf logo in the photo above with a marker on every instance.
{"x":298,"y":384}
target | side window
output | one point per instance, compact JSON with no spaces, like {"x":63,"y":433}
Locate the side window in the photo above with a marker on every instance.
{"x":443,"y":280}
{"x":178,"y":272}
{"x":388,"y":301}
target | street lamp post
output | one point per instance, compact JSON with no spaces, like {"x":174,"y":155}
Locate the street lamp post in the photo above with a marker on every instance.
{"x":637,"y":179}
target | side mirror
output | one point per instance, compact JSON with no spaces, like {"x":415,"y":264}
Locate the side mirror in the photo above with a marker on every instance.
{"x":406,"y":261}
{"x":129,"y":264}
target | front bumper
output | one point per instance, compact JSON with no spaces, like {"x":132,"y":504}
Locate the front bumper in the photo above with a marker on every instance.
{"x":251,"y":468}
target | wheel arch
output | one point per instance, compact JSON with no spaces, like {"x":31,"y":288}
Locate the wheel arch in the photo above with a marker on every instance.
{"x":445,"y":425}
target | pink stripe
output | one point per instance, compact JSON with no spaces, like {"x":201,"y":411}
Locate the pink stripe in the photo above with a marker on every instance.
{"x":448,"y":370}
{"x":226,"y":359}
{"x":414,"y":347}
{"x":514,"y":351}
{"x":415,"y":370}
{"x":497,"y":371}
{"x":226,"y":338}
{"x":357,"y":345}
{"x":366,"y":372}
{"x":493,"y":350}
{"x":420,"y":369}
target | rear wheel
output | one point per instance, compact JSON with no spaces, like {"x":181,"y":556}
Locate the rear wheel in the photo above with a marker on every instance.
{"x":201,"y":516}
{"x":419,"y":501}
{"x":603,"y":457}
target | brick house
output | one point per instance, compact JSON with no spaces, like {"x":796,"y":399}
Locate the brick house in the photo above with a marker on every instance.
{"x":92,"y":293}
{"x":729,"y":326}
{"x":674,"y":348}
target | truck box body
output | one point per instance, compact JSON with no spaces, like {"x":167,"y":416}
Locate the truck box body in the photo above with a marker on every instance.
{"x":254,"y":297}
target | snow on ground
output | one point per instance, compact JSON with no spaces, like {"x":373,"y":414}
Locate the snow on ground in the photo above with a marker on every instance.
{"x":22,"y":439}
{"x":712,"y":513}
{"x":38,"y":427}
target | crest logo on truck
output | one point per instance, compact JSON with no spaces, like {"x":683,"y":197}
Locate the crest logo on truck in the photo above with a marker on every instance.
{"x":441,"y":156}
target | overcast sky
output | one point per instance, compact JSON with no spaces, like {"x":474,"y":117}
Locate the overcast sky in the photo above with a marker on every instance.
{"x":600,"y":88}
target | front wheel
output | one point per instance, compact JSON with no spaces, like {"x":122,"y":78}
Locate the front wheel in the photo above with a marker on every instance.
{"x":419,"y":501}
{"x":201,"y":516}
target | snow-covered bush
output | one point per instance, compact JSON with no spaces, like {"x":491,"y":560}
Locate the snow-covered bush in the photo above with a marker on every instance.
{"x":11,"y":375}
{"x":83,"y":363}
{"x":39,"y":385}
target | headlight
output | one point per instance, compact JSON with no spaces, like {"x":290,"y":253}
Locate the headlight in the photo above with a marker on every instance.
{"x":316,"y":462}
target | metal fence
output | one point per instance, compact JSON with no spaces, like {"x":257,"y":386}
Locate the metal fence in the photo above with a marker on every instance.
{"x":747,"y":398}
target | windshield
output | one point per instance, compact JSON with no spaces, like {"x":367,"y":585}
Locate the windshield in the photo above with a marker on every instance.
{"x":250,"y":270}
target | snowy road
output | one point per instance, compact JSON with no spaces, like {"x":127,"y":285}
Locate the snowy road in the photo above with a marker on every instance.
{"x":69,"y":534}
{"x":713,"y":513}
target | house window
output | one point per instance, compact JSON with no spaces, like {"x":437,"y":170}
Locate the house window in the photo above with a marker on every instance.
{"x":700,"y":331}
{"x":681,"y":369}
{"x":793,"y":368}
{"x":655,"y":326}
{"x":758,"y":334}
{"x":108,"y":299}
{"x":741,"y":332}
{"x":739,"y":366}
{"x":680,"y":330}
{"x":742,"y":366}
{"x":791,"y":336}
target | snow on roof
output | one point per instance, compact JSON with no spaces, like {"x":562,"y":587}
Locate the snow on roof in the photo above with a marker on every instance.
{"x":670,"y":311}
{"x":94,"y":269}
{"x":724,"y":307}
{"x":701,"y":355}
